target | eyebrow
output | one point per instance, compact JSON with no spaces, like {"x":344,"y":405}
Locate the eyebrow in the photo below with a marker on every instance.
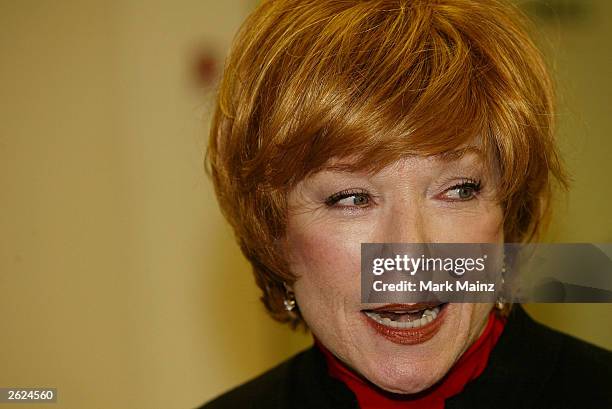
{"x":456,"y":154}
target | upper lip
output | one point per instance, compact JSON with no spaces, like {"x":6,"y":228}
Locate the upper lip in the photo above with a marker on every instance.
{"x":406,"y":307}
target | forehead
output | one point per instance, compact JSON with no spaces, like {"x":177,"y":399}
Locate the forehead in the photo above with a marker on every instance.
{"x":464,"y":154}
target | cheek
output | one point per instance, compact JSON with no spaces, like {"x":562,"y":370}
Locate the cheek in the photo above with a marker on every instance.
{"x":327,"y":268}
{"x":322,"y":257}
{"x":476,"y":227}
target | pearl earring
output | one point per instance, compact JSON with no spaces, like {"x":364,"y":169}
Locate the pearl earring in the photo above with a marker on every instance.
{"x":289,"y":300}
{"x":501,"y":302}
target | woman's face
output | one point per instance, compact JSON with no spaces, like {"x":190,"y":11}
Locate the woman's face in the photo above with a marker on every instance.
{"x":415,"y":200}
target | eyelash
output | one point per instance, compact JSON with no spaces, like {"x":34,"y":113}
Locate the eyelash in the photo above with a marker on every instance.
{"x":473,"y":184}
{"x":344,"y":194}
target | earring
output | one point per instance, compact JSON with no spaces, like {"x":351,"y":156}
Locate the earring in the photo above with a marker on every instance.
{"x":501,"y":302}
{"x":289,"y":300}
{"x":289,"y":304}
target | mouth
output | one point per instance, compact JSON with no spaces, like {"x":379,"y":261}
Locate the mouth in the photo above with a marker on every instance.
{"x":407,"y":324}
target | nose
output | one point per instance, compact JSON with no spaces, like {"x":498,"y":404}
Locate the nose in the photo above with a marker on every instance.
{"x":406,"y":223}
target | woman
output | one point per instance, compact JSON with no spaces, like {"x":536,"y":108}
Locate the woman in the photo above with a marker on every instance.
{"x":343,"y":122}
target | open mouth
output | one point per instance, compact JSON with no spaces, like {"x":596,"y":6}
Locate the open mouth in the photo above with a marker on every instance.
{"x":407,"y":323}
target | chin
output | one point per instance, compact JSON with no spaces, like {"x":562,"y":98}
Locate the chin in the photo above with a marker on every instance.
{"x":406,"y":382}
{"x":393,"y":375}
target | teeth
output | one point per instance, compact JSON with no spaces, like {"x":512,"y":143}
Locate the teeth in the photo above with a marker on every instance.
{"x":433,"y":313}
{"x":428,"y":316}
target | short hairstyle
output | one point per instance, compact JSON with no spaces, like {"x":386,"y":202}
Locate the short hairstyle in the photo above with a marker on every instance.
{"x":311,"y":80}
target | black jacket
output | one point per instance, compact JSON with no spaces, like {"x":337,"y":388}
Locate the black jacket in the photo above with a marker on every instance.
{"x":531,"y":366}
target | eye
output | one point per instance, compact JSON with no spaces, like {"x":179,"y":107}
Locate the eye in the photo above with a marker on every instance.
{"x":349,"y":198}
{"x":463,"y":191}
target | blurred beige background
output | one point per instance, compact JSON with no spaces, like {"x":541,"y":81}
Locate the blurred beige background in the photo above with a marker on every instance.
{"x":120,"y":283}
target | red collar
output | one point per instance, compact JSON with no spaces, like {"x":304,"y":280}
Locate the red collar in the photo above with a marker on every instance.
{"x":468,"y":367}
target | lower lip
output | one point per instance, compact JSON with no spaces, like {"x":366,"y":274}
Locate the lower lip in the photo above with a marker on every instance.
{"x":409,"y":336}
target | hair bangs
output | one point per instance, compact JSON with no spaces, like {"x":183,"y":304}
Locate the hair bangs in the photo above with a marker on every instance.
{"x":374,"y":87}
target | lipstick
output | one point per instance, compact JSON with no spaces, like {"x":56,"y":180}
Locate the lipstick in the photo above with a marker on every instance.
{"x":407,"y":324}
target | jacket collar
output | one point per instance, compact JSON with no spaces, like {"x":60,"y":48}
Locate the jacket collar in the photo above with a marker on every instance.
{"x":519,"y":366}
